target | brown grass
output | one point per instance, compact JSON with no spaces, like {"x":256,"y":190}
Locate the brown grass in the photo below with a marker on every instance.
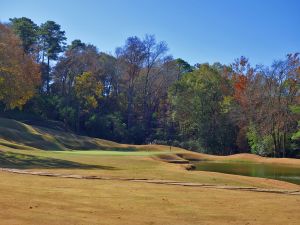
{"x":239,"y":157}
{"x":28,"y":199}
{"x":55,"y":201}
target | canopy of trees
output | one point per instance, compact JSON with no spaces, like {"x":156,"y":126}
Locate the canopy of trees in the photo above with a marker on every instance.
{"x":141,"y":94}
{"x":19,"y":74}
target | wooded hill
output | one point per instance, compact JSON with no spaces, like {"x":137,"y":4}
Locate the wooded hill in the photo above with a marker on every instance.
{"x":141,"y":94}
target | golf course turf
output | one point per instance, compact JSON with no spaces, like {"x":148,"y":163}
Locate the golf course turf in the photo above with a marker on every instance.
{"x":32,"y":199}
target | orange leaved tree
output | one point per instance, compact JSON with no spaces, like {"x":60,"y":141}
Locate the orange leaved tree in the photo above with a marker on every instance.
{"x":19,"y":74}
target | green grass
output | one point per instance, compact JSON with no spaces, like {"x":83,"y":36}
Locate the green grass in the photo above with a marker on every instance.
{"x":113,"y":153}
{"x":26,"y":161}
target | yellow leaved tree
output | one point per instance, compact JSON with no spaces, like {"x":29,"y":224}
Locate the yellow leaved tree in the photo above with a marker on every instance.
{"x":19,"y":74}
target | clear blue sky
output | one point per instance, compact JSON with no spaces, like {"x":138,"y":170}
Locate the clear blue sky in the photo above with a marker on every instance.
{"x":195,"y":30}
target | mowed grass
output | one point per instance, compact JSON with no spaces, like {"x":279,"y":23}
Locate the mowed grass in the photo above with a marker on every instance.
{"x":29,"y":199}
{"x":89,"y":156}
{"x":124,"y":165}
{"x":113,"y":153}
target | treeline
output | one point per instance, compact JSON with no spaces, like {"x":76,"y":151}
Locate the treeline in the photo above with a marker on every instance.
{"x":143,"y":95}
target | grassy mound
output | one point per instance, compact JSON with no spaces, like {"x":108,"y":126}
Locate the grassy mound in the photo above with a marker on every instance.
{"x":18,"y":135}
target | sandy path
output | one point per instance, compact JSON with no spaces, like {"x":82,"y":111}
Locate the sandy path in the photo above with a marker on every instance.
{"x":152,"y":181}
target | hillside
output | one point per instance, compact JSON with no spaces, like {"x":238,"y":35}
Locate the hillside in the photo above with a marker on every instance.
{"x":34,"y":147}
{"x":78,"y":171}
{"x":18,"y":135}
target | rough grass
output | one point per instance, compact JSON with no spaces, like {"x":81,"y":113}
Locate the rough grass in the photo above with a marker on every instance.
{"x":47,"y":139}
{"x":18,"y":134}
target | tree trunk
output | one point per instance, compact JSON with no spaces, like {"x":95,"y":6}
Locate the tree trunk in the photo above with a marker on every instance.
{"x":48,"y":76}
{"x":129,"y":108}
{"x":284,"y":145}
{"x":146,"y":115}
{"x":275,"y":143}
{"x":77,"y":126}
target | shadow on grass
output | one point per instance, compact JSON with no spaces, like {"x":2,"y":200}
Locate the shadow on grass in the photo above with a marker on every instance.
{"x":23,"y":161}
{"x":15,"y":146}
{"x":29,"y":139}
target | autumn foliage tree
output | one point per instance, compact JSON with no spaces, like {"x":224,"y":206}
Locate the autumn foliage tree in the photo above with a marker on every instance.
{"x":141,"y":94}
{"x":19,"y":74}
{"x":200,"y":107}
{"x":264,"y":97}
{"x":87,"y":90}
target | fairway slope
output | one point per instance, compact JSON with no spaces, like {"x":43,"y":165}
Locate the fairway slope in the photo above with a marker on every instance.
{"x":18,"y":135}
{"x":42,"y":149}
